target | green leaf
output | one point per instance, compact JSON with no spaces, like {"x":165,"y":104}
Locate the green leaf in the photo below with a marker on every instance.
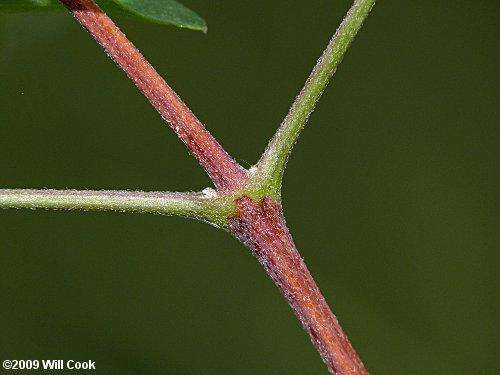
{"x":168,"y":12}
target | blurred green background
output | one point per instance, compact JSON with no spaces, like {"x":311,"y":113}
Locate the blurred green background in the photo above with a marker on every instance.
{"x":388,"y":194}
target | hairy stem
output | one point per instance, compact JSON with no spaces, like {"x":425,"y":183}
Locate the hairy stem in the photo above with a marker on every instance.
{"x":272,"y":163}
{"x":249,"y":206}
{"x":226,"y":174}
{"x":195,"y":205}
{"x":261,"y":226}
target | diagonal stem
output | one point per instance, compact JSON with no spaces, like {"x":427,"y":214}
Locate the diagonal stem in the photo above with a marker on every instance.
{"x":261,"y":226}
{"x":272,"y":163}
{"x":226,"y":174}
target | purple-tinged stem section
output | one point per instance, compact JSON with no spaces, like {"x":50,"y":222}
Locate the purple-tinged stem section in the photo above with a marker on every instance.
{"x":261,"y":226}
{"x":226,"y":174}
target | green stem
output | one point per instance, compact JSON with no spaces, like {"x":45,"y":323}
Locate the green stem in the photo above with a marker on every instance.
{"x":272,"y":163}
{"x":206,"y":206}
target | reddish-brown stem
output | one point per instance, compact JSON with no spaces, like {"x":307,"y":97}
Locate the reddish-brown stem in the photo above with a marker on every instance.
{"x":226,"y":174}
{"x":261,"y":226}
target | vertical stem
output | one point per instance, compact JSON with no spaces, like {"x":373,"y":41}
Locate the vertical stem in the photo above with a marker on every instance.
{"x":226,"y":174}
{"x":261,"y":226}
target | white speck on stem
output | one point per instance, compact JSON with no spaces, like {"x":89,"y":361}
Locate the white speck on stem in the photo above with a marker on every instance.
{"x":209,"y":193}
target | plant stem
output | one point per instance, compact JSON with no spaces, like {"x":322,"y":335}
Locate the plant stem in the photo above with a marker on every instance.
{"x":272,"y":163}
{"x":249,"y":206}
{"x":195,"y":205}
{"x":226,"y":174}
{"x":261,"y":226}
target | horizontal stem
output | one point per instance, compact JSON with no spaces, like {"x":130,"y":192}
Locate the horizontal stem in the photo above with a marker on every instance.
{"x":271,"y":166}
{"x":224,"y":171}
{"x":195,"y":205}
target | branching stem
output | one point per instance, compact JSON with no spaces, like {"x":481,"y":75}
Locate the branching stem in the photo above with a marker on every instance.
{"x":246,"y":204}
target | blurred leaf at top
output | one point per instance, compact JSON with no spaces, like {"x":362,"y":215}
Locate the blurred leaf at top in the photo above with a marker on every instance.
{"x":168,"y":12}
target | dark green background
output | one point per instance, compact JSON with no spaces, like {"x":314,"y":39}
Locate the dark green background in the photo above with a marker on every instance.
{"x":388,"y":194}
